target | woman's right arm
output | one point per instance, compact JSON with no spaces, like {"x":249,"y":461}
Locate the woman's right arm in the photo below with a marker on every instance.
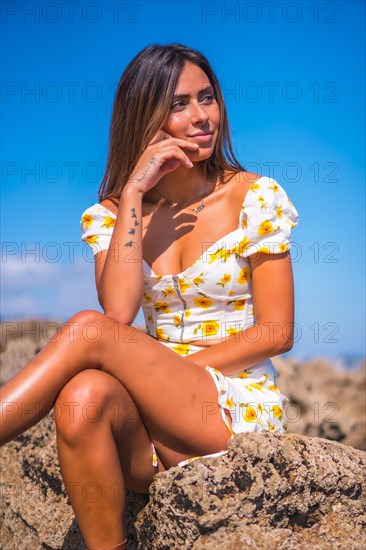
{"x":119,"y":270}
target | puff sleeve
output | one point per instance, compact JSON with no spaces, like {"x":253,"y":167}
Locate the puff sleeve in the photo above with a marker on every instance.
{"x":97,"y":224}
{"x":268,"y":217}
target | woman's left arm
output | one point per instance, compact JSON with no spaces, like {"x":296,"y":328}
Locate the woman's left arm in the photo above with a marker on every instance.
{"x":273,"y":331}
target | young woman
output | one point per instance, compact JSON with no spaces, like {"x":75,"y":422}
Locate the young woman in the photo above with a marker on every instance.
{"x":183,"y":230}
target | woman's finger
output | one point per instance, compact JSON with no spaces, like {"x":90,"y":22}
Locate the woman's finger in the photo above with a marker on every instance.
{"x":160,"y":136}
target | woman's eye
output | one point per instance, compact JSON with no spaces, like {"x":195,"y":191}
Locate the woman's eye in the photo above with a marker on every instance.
{"x":178,"y":103}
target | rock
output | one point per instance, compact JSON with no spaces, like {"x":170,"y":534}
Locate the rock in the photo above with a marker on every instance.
{"x":36,"y":511}
{"x":269,"y":491}
{"x":303,"y":489}
{"x":21,"y":341}
{"x":324,"y":401}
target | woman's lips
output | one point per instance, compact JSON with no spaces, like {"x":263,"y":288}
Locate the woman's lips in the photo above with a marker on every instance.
{"x":202,"y":138}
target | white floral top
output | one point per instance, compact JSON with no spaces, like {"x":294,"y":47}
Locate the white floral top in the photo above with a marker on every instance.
{"x":211,"y":299}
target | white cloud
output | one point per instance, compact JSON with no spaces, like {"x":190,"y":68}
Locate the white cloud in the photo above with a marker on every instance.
{"x":44,"y":289}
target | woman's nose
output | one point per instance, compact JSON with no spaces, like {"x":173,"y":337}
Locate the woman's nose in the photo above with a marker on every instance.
{"x":198,"y":113}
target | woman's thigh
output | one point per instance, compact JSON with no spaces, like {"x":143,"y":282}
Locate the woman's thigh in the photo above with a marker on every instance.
{"x":176,"y":398}
{"x":96,"y":397}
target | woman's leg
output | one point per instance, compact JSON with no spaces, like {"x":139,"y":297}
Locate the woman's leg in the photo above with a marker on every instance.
{"x":176,"y":398}
{"x":103,"y":449}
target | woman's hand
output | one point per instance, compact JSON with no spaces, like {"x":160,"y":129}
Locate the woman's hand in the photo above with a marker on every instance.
{"x":163,"y":155}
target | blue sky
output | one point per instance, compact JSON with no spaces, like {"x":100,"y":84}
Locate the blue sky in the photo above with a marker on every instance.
{"x":294,"y":86}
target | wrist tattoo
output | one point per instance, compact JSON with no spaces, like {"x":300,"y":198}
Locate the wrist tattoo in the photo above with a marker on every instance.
{"x":151,"y":163}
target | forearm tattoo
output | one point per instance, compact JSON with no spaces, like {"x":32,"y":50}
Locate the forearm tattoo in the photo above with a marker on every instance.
{"x":133,"y":213}
{"x":132,"y":229}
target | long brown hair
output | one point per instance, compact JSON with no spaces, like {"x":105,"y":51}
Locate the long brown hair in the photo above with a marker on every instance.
{"x":142,"y":104}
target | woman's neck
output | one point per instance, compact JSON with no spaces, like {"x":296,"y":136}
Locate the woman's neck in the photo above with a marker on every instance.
{"x":182,"y":186}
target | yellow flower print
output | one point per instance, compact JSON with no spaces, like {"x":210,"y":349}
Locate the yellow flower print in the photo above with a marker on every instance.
{"x":182,"y":349}
{"x":285,"y":426}
{"x":215,"y":370}
{"x":250,"y":414}
{"x":213,"y":257}
{"x":263,"y":203}
{"x":210,"y":328}
{"x":274,"y":388}
{"x":203,"y":302}
{"x":160,"y":334}
{"x":240,"y":248}
{"x":226,"y":278}
{"x":279,"y":211}
{"x":231,"y":293}
{"x":264,"y":250}
{"x":275,"y":187}
{"x":283,"y":247}
{"x":244,"y":276}
{"x":238,"y":304}
{"x":183,"y":285}
{"x":244,"y":223}
{"x":197,"y":329}
{"x":277,"y":411}
{"x":231,"y":331}
{"x":221,"y":254}
{"x":149,"y":319}
{"x":263,"y":379}
{"x":177,"y":319}
{"x":93,"y":239}
{"x":188,"y":312}
{"x":254,"y":186}
{"x":198,"y":280}
{"x":243,"y":374}
{"x":155,"y":458}
{"x":87,"y":220}
{"x":147,"y":298}
{"x":255,"y":386}
{"x":108,"y":222}
{"x":271,"y":427}
{"x":168,"y":291}
{"x":229,"y":403}
{"x":162,"y":306}
{"x":290,"y":202}
{"x":265,"y":228}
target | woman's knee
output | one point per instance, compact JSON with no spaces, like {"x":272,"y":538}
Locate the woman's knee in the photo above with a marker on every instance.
{"x":84,"y":402}
{"x":91,"y":326}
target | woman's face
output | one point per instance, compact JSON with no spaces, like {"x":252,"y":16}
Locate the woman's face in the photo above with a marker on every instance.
{"x":197,"y":111}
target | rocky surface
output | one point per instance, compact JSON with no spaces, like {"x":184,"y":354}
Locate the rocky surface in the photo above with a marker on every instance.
{"x":269,"y":491}
{"x":324,"y":401}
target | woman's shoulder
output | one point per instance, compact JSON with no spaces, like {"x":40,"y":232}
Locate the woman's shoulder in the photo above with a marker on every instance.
{"x":110,"y":204}
{"x":242,"y":177}
{"x":105,"y":207}
{"x":238,"y":186}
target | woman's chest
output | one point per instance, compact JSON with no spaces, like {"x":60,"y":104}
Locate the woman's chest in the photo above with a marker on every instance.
{"x":221,"y":274}
{"x":173,"y":242}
